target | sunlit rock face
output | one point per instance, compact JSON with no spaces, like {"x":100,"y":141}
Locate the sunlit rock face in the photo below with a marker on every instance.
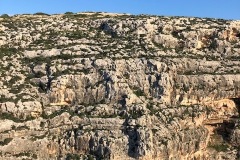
{"x":116,"y":86}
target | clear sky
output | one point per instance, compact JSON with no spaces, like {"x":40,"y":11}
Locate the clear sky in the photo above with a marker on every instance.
{"x":226,"y":9}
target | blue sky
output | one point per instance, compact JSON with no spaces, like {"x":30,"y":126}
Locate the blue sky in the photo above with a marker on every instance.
{"x":193,"y":8}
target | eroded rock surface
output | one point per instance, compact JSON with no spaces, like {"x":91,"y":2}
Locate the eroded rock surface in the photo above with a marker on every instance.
{"x":109,"y":86}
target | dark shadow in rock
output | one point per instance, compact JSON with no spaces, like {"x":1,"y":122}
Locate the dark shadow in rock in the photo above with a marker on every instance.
{"x":133,"y":139}
{"x":123,"y":101}
{"x":237,"y":103}
{"x":225,"y":130}
{"x":238,"y":35}
{"x":108,"y":30}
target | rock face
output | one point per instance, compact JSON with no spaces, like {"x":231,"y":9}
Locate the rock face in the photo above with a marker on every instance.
{"x":109,"y":86}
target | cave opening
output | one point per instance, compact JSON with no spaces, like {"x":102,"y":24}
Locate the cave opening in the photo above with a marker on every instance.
{"x":237,"y":103}
{"x":225,"y":129}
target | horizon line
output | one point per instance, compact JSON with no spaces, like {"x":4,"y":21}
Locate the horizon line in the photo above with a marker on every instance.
{"x":122,"y":13}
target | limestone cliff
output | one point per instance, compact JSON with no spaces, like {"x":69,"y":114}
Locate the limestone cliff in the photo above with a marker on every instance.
{"x":116,"y":86}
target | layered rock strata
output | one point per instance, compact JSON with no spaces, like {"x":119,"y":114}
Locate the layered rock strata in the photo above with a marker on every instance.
{"x":116,"y":86}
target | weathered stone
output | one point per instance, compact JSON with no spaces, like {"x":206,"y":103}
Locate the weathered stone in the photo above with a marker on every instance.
{"x":111,"y":86}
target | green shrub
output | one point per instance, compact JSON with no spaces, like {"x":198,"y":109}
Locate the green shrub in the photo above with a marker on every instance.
{"x":4,"y":16}
{"x":14,"y":79}
{"x":90,"y":157}
{"x":34,"y":156}
{"x":27,"y":154}
{"x":22,"y":128}
{"x":41,"y":13}
{"x":68,"y":13}
{"x":138,"y":92}
{"x":219,"y":147}
{"x":151,"y":108}
{"x":75,"y":35}
{"x":9,"y":116}
{"x":72,"y":157}
{"x":6,"y":51}
{"x":42,"y":124}
{"x":6,"y":141}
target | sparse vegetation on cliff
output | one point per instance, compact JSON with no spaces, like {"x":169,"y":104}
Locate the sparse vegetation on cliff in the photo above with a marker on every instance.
{"x":117,"y":86}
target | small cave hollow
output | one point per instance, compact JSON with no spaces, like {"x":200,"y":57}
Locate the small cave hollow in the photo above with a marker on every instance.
{"x":225,"y":129}
{"x":237,"y":103}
